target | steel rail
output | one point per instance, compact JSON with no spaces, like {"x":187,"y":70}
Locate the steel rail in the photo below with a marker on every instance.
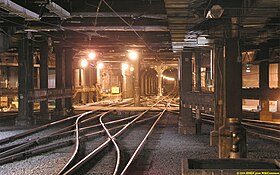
{"x":37,"y":141}
{"x":52,"y":146}
{"x":37,"y":129}
{"x":56,"y":135}
{"x":139,"y":148}
{"x":31,"y":142}
{"x":104,"y":144}
{"x":40,"y":128}
{"x":77,"y":142}
{"x":254,"y":123}
{"x":115,"y":144}
{"x":249,"y":123}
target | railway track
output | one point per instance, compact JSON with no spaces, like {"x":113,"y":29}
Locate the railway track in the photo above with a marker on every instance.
{"x":113,"y":138}
{"x":261,"y":129}
{"x":101,"y":126}
{"x":42,"y":139}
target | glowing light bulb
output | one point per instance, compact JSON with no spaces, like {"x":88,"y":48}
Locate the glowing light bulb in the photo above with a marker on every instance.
{"x":124,"y":66}
{"x":84,"y":63}
{"x":91,"y":55}
{"x":133,"y":55}
{"x":100,"y":66}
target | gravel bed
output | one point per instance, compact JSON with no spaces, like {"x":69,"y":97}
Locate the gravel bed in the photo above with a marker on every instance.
{"x":164,"y":156}
{"x":47,"y":164}
{"x":173,"y":148}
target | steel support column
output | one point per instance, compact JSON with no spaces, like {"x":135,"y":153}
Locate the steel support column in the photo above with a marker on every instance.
{"x":59,"y":77}
{"x":26,"y":81}
{"x":44,"y":75}
{"x":69,"y":77}
{"x":93,"y":82}
{"x":198,"y":121}
{"x":137,"y":83}
{"x":186,"y":121}
{"x":98,"y":84}
{"x":278,"y":101}
{"x":218,"y":61}
{"x":197,"y":70}
{"x":160,"y":81}
{"x":124,"y":82}
{"x":232,"y":137}
{"x":265,"y":115}
{"x":84,"y":83}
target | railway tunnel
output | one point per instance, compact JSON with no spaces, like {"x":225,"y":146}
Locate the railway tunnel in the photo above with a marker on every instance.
{"x":217,"y":60}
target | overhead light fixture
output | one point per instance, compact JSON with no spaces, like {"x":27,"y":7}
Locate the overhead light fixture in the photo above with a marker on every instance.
{"x":100,"y":66}
{"x":133,"y":55}
{"x":216,"y":11}
{"x":124,"y":66}
{"x":91,"y":55}
{"x":131,"y":69}
{"x":18,"y":10}
{"x":84,"y":63}
{"x":59,"y":11}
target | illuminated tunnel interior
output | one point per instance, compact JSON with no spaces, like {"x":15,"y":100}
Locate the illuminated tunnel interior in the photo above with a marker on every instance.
{"x":170,"y":81}
{"x":149,"y":82}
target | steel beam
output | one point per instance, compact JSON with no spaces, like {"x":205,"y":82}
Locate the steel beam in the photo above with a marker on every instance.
{"x":104,"y":28}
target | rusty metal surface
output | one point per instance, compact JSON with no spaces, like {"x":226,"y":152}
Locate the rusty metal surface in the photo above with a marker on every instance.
{"x":203,"y":101}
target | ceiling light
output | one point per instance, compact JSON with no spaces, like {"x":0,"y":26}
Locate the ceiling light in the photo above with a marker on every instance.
{"x":84,"y":63}
{"x":133,"y":55}
{"x":124,"y":66}
{"x":131,"y":69}
{"x":100,"y":66}
{"x":91,"y":55}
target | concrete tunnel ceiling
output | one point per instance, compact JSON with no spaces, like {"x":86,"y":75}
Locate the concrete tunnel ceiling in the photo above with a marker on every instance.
{"x":158,"y":29}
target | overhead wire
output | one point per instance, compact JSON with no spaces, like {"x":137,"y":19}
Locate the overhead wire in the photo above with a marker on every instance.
{"x":136,"y":33}
{"x":45,"y":33}
{"x":85,"y":33}
{"x":63,"y":28}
